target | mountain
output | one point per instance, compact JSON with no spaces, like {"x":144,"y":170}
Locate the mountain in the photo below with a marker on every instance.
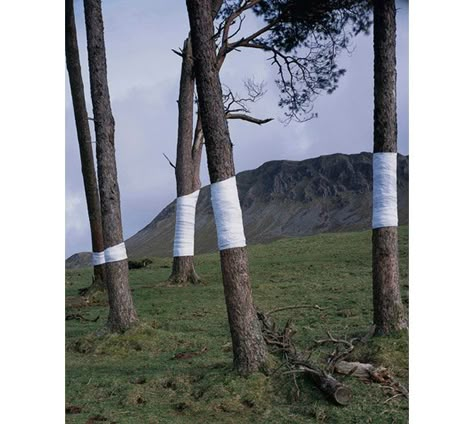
{"x":284,"y":199}
{"x":79,"y":260}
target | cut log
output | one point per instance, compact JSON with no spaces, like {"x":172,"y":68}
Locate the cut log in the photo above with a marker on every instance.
{"x":333,"y":389}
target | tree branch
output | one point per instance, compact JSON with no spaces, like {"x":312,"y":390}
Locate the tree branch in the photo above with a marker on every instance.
{"x":248,"y":118}
{"x":180,"y":54}
{"x":168,"y":159}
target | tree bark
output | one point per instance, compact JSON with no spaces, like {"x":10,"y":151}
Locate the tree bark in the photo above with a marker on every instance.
{"x":183,"y":271}
{"x":249,"y":347}
{"x":122,"y":314}
{"x":333,"y":389}
{"x":189,"y":152}
{"x":388,"y":308}
{"x":187,"y":181}
{"x":85,"y":146}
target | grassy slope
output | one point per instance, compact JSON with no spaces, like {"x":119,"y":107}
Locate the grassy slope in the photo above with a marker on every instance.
{"x":132,"y":378}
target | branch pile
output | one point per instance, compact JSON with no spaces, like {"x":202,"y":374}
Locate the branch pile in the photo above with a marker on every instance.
{"x":280,"y":342}
{"x":368,"y":373}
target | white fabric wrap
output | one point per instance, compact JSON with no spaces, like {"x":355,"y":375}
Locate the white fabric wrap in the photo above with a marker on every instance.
{"x":184,"y":229}
{"x":385,"y":213}
{"x":98,"y":258}
{"x":115,"y":253}
{"x":227,"y":214}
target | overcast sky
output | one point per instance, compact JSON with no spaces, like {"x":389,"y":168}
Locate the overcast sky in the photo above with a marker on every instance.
{"x":143,"y":78}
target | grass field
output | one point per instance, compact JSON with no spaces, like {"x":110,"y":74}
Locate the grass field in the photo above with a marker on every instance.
{"x":176,"y":366}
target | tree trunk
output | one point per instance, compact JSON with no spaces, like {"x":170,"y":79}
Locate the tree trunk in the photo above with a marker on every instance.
{"x":85,"y":146}
{"x":333,"y":389}
{"x":247,"y":340}
{"x":388,"y":308}
{"x":122,"y":312}
{"x":187,"y":182}
{"x":183,"y":271}
{"x":188,"y":155}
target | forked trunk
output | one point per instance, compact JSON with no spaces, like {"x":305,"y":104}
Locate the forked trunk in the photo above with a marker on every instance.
{"x":247,"y":340}
{"x":85,"y":146}
{"x":188,"y":155}
{"x":388,"y":308}
{"x":122,"y":312}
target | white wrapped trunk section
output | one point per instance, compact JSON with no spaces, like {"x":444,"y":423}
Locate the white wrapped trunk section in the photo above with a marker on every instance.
{"x":184,"y":229}
{"x":227,"y":214}
{"x":115,"y":253}
{"x":98,"y":258}
{"x":385,"y":213}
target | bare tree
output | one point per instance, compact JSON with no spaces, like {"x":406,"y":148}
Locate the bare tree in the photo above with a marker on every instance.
{"x":388,"y":308}
{"x":188,"y":157}
{"x":248,"y":344}
{"x":85,"y":145}
{"x":122,"y":314}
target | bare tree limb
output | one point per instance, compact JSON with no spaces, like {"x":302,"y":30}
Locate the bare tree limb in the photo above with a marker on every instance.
{"x":168,"y":159}
{"x":179,"y":53}
{"x":285,"y":308}
{"x":248,"y":118}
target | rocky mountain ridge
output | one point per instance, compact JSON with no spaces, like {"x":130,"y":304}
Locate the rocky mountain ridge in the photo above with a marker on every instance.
{"x":283,"y":198}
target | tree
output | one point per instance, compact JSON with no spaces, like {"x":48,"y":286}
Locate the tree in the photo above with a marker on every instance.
{"x":247,"y":340}
{"x":388,"y":308}
{"x":122,"y":314}
{"x":85,"y":145}
{"x":301,"y":77}
{"x":188,"y":158}
{"x":188,"y":161}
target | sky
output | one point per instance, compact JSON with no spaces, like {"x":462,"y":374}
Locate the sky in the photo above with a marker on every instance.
{"x":143,"y":76}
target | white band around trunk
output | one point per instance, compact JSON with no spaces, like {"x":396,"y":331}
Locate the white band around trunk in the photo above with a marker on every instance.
{"x":184,"y":229}
{"x":115,"y":253}
{"x":385,"y":213}
{"x":227,"y":214}
{"x":98,"y":258}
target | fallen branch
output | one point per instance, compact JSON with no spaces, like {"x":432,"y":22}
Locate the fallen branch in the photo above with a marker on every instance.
{"x":296,"y":363}
{"x":285,"y":308}
{"x":393,"y":397}
{"x":363,"y":371}
{"x":79,"y":317}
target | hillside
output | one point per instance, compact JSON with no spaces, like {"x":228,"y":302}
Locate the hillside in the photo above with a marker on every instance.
{"x":283,"y":198}
{"x":176,"y":366}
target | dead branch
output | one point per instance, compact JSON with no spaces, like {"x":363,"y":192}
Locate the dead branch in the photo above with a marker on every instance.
{"x":393,"y":397}
{"x":284,"y":308}
{"x":295,"y":363}
{"x":248,"y":118}
{"x":179,"y":53}
{"x":80,"y":317}
{"x":237,"y":107}
{"x":168,"y":159}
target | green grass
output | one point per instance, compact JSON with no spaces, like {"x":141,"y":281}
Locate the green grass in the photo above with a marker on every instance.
{"x":134,"y":378}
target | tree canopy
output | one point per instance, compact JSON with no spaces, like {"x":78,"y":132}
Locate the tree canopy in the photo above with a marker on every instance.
{"x":304,"y":38}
